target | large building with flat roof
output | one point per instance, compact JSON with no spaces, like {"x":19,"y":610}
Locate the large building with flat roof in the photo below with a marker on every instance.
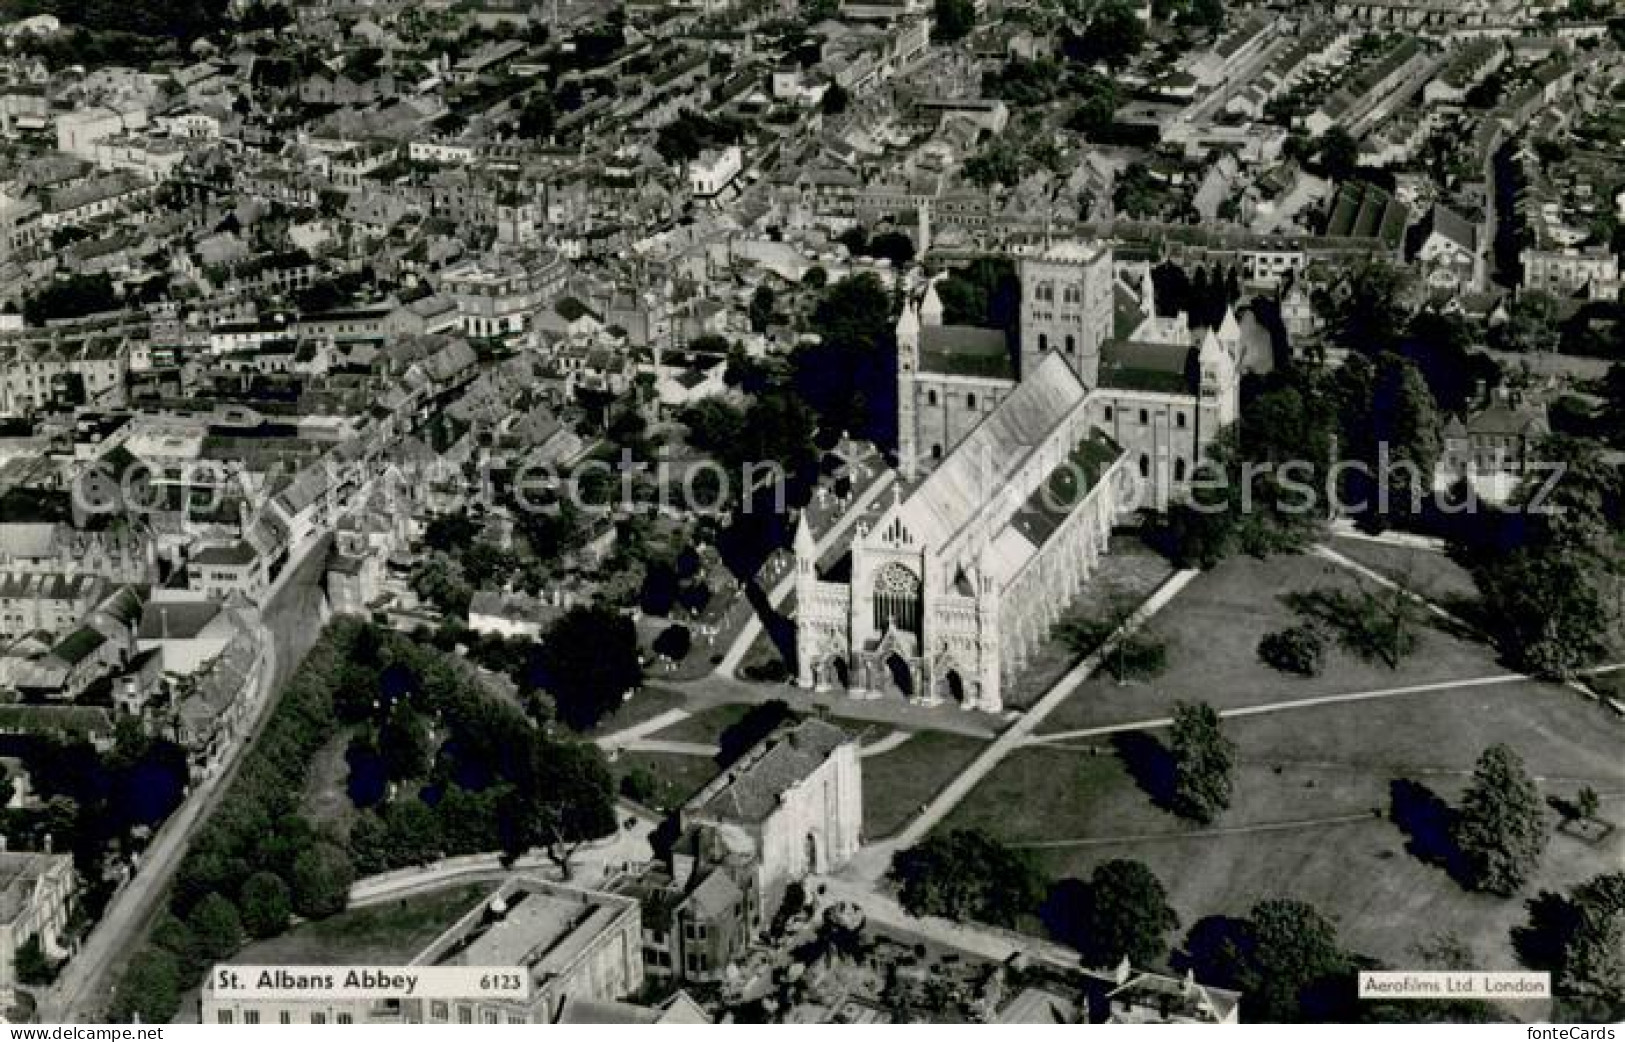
{"x":575,"y":945}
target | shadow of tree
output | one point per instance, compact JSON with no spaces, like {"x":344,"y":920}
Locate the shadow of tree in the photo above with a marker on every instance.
{"x":1539,"y":942}
{"x":758,"y":722}
{"x":1149,"y":763}
{"x":1216,"y":949}
{"x":1063,"y":910}
{"x":1429,"y":825}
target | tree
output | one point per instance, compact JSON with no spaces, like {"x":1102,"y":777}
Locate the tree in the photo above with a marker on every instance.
{"x":405,"y":746}
{"x":1374,"y":314}
{"x":71,"y":297}
{"x":538,"y":117}
{"x":1406,"y":431}
{"x":1284,"y":957}
{"x":835,"y":100}
{"x":1546,"y":606}
{"x":1591,"y":975}
{"x":894,"y":246}
{"x":321,"y":881}
{"x":411,"y":833}
{"x":1378,"y":626}
{"x":849,"y":377}
{"x":1531,"y":324}
{"x":441,"y":581}
{"x":1114,"y":36}
{"x":761,"y":308}
{"x":953,"y":20}
{"x":714,"y":424}
{"x":590,"y":663}
{"x":1501,"y":825}
{"x":1587,"y":803}
{"x":984,"y":292}
{"x":265,"y":905}
{"x":967,"y":875}
{"x":1339,"y":154}
{"x":150,"y":988}
{"x":563,"y":796}
{"x":32,"y":967}
{"x":673,"y":643}
{"x":1297,"y":649}
{"x":1024,"y":81}
{"x":1206,"y":14}
{"x":1203,"y":762}
{"x":1580,"y":939}
{"x":1098,"y":100}
{"x":218,"y":929}
{"x":1122,"y":912}
{"x":1611,"y":422}
{"x":1138,"y":193}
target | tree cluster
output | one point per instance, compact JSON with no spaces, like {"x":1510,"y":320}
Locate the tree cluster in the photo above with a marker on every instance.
{"x":474,"y":774}
{"x":967,"y":875}
{"x":849,"y":377}
{"x":1580,"y":938}
{"x":1120,"y":912}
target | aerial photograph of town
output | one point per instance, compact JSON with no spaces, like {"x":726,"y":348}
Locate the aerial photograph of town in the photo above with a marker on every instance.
{"x":818,"y":512}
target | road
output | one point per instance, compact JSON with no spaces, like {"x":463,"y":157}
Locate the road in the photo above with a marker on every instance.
{"x":293,"y":617}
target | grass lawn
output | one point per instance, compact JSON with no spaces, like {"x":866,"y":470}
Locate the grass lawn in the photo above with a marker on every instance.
{"x":326,"y":801}
{"x":650,"y":701}
{"x":1129,"y":573}
{"x":1430,"y":573}
{"x":704,"y":726}
{"x":1332,"y":762}
{"x":388,"y":934}
{"x":678,"y":776}
{"x":1212,"y":631}
{"x":897,"y":783}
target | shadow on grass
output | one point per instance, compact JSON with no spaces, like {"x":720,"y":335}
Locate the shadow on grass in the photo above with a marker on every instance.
{"x":1149,"y":763}
{"x":1064,"y":910}
{"x":1429,"y":826}
{"x":780,"y":628}
{"x":758,"y":722}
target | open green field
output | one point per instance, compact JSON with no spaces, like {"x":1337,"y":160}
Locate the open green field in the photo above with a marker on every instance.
{"x":650,"y":701}
{"x":1430,"y":573}
{"x":1310,"y":814}
{"x":705,"y":726}
{"x":896,"y":784}
{"x":388,"y":934}
{"x":1212,"y":630}
{"x":326,"y":800}
{"x":679,"y":776}
{"x":1128,"y":574}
